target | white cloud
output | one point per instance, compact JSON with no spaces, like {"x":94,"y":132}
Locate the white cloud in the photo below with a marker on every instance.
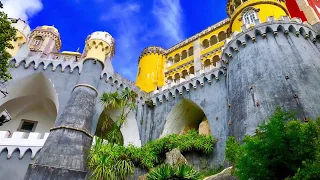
{"x":169,"y":16}
{"x":137,"y":28}
{"x":125,"y":18}
{"x":121,"y":11}
{"x":23,"y":9}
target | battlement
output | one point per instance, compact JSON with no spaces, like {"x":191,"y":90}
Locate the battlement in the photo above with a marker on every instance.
{"x":172,"y":90}
{"x":252,"y":34}
{"x":22,"y":142}
{"x":152,"y":50}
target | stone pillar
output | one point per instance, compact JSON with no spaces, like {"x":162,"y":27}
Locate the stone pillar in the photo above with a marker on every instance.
{"x":63,"y":156}
{"x":197,"y":57}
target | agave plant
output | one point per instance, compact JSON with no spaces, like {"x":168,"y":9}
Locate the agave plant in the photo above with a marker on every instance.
{"x":177,"y":172}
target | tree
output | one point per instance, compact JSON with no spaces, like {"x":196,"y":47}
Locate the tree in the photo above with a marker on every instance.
{"x":7,"y":34}
{"x":278,"y":150}
{"x":126,"y":102}
{"x":104,"y":159}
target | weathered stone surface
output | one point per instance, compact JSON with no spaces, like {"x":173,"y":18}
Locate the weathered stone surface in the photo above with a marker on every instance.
{"x":175,"y":157}
{"x":67,"y":146}
{"x":223,"y":175}
{"x":39,"y":172}
{"x":204,"y":128}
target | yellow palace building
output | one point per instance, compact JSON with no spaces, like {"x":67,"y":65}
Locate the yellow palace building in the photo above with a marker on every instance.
{"x":159,"y":67}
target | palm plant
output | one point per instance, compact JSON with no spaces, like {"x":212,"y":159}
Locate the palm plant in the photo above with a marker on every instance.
{"x":110,"y":160}
{"x":126,"y":101}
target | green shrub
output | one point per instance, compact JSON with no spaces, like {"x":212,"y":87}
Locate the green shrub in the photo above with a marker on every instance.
{"x":107,"y":161}
{"x":167,"y":172}
{"x":277,"y":150}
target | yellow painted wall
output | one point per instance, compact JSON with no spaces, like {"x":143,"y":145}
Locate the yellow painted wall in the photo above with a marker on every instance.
{"x":20,"y":40}
{"x":151,"y":75}
{"x":266,"y":10}
{"x":97,"y":49}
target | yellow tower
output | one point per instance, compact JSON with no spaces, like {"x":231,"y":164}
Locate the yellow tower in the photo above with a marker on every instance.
{"x":45,"y":39}
{"x":150,"y":75}
{"x":23,"y":31}
{"x":99,"y":46}
{"x":249,"y":12}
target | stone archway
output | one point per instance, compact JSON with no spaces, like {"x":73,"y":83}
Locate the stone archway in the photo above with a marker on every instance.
{"x":185,"y":116}
{"x":32,"y":103}
{"x":129,"y":131}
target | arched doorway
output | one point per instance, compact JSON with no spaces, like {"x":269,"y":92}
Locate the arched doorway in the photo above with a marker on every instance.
{"x":32,"y":103}
{"x":186,"y":116}
{"x":129,"y":132}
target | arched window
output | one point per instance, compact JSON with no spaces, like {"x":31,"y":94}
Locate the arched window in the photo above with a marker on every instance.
{"x":205,"y":43}
{"x":190,"y":51}
{"x":184,"y":54}
{"x":250,"y":17}
{"x":37,"y":41}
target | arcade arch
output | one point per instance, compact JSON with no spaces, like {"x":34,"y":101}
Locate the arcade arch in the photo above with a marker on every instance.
{"x":32,"y":103}
{"x":129,"y":132}
{"x":186,"y":116}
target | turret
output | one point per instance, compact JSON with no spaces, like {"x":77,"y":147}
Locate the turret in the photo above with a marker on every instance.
{"x":99,"y":46}
{"x":45,"y":39}
{"x":150,"y":75}
{"x":252,"y":12}
{"x":23,"y":31}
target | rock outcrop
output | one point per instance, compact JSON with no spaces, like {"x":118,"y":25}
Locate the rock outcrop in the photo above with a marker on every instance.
{"x":223,"y":175}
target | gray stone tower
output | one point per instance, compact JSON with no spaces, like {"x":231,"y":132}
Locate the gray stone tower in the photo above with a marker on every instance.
{"x":64,"y":154}
{"x":273,"y":64}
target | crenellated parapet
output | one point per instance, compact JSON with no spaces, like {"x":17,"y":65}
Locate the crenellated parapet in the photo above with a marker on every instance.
{"x":22,"y":142}
{"x":259,"y":32}
{"x":99,"y":45}
{"x":51,"y":61}
{"x":207,"y":78}
{"x":152,"y":50}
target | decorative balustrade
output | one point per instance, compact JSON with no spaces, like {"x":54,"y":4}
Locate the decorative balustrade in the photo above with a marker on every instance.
{"x":21,"y":141}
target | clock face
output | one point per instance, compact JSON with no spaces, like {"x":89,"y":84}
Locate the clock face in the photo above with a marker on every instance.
{"x":315,"y":4}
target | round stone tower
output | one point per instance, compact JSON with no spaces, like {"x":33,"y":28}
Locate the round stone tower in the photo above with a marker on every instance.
{"x":99,"y":46}
{"x":151,"y":66}
{"x":23,"y":31}
{"x":45,"y":39}
{"x":273,"y":64}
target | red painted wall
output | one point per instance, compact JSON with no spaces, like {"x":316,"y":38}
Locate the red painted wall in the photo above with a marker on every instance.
{"x":294,"y":9}
{"x":315,"y":4}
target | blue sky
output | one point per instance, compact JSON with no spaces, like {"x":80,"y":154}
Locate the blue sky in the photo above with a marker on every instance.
{"x":134,"y":24}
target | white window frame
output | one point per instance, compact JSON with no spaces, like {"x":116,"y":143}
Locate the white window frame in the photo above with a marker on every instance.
{"x":250,"y":17}
{"x":36,"y":42}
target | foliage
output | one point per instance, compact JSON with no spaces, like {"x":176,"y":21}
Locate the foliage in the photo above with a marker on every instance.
{"x":154,"y":151}
{"x":167,"y":172}
{"x":109,"y":162}
{"x":7,"y":34}
{"x":104,"y":156}
{"x":277,"y":150}
{"x":126,"y":101}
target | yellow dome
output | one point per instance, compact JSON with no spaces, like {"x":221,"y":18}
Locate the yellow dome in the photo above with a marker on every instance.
{"x":50,"y":27}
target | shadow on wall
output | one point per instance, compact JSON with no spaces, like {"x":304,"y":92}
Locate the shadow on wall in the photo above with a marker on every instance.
{"x":129,"y":131}
{"x":186,"y":116}
{"x":32,"y":103}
